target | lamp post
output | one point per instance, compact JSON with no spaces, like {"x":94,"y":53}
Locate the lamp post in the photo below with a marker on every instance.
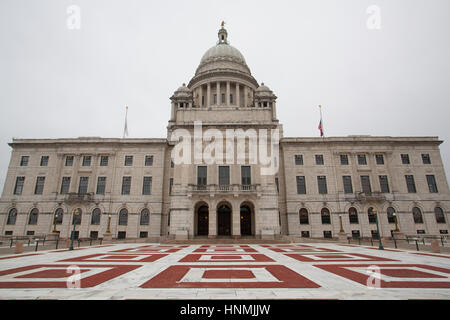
{"x":340,"y":223}
{"x":108,"y":229}
{"x":396,"y":223}
{"x":380,"y":245}
{"x":75,"y":214}
{"x":54,"y":221}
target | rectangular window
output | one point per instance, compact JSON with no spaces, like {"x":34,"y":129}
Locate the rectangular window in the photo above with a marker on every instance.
{"x":348,"y":186}
{"x":374,"y":234}
{"x":44,"y":161}
{"x":276,"y":183}
{"x":298,"y":160}
{"x":121,"y":235}
{"x":305,"y":234}
{"x":143,"y":234}
{"x":203,"y":100}
{"x":246,"y":175}
{"x":170,"y":186}
{"x":104,"y":161}
{"x":24,"y":161}
{"x":231,"y":98}
{"x":223,"y":97}
{"x":126,"y":185}
{"x":362,"y":159}
{"x":8,"y":233}
{"x":432,"y":184}
{"x":327,"y":234}
{"x":322,"y":183}
{"x":83,"y":186}
{"x":405,"y":158}
{"x":128,"y":161}
{"x":19,"y":185}
{"x":147,"y":186}
{"x":365,"y":184}
{"x":410,"y":184}
{"x":93,"y":235}
{"x":215,"y":99}
{"x":65,"y":185}
{"x":344,"y":159}
{"x":301,"y":185}
{"x":426,"y":158}
{"x":224,"y":175}
{"x":384,"y":184}
{"x":87,"y":161}
{"x":420,"y":231}
{"x":101,"y":185}
{"x":69,"y":161}
{"x":319,"y":159}
{"x":379,"y":158}
{"x":39,"y":185}
{"x":148,"y":161}
{"x":202,"y":175}
{"x":356,"y":234}
{"x":172,"y":164}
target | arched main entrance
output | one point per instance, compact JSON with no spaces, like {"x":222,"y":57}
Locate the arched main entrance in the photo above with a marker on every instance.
{"x":202,"y":220}
{"x":224,"y":220}
{"x":246,"y":217}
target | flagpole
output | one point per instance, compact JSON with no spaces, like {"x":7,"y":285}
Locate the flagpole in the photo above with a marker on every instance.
{"x":321,"y":121}
{"x":125,"y":130}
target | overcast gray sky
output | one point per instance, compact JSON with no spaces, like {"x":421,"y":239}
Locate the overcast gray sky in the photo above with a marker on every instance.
{"x":57,"y":82}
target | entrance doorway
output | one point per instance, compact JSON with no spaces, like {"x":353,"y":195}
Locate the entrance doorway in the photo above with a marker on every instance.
{"x":202,"y":221}
{"x":224,"y":220}
{"x":246,"y":221}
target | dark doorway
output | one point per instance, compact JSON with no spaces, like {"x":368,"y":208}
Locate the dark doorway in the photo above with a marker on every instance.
{"x":202,"y":221}
{"x":224,"y":220}
{"x":246,"y":221}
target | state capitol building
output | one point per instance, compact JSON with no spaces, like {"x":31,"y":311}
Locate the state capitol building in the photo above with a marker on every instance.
{"x":144,"y":192}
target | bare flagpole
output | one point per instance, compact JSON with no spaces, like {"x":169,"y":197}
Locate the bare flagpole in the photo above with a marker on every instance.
{"x":125,"y":130}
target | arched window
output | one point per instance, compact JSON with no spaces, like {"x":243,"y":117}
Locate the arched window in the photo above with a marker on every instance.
{"x":372,"y":216}
{"x":439,"y":214}
{"x":304,"y":216}
{"x":145,"y":217}
{"x":325,"y":214}
{"x":12,"y":215}
{"x":95,"y":217}
{"x":76,"y":216}
{"x":33,"y":216}
{"x":353,"y":215}
{"x":391,"y":215}
{"x":417,"y":215}
{"x":123,"y":217}
{"x":59,"y":213}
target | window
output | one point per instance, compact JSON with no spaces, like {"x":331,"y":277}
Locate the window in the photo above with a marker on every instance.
{"x":362,"y":159}
{"x":147,"y":186}
{"x":374,"y":234}
{"x":19,"y":185}
{"x":322,"y":184}
{"x":365,"y":184}
{"x":24,"y":161}
{"x":327,"y":234}
{"x":246,"y":177}
{"x":104,"y":161}
{"x":143,"y":234}
{"x":439,"y":214}
{"x":69,"y":161}
{"x":87,"y":161}
{"x":215,"y":99}
{"x":379,"y":158}
{"x":353,"y":215}
{"x":224,"y":175}
{"x":304,"y":216}
{"x":203,"y":100}
{"x":33,"y":218}
{"x":95,"y":217}
{"x":325,"y":215}
{"x":305,"y":234}
{"x":443,"y":231}
{"x":405,"y":158}
{"x":93,"y":235}
{"x":39,"y":188}
{"x":384,"y":184}
{"x":30,"y":233}
{"x":128,"y":161}
{"x":8,"y":233}
{"x":432,"y":184}
{"x":372,"y":216}
{"x":356,"y":234}
{"x":59,"y":215}
{"x":417,"y":215}
{"x":202,"y":175}
{"x":348,"y":187}
{"x":148,"y":161}
{"x":223,"y":97}
{"x":121,"y":235}
{"x":126,"y":185}
{"x":76,"y":216}
{"x":319,"y":159}
{"x":44,"y":161}
{"x":123,"y":217}
{"x":145,"y":217}
{"x":298,"y":160}
{"x":277,"y":185}
{"x":83,"y":186}
{"x":170,"y":185}
{"x":12,"y":215}
{"x":344,"y":159}
{"x":420,"y":231}
{"x":410,"y":184}
{"x":172,"y":164}
{"x":101,"y":185}
{"x":65,"y":185}
{"x":391,"y":215}
{"x":301,"y":185}
{"x":426,"y":158}
{"x":231,"y":98}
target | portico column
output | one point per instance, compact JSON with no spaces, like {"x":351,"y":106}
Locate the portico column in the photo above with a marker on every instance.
{"x":212,"y":222}
{"x":237,"y":95}
{"x":201,"y":97}
{"x":218,"y":92}
{"x":245,"y":97}
{"x":227,"y":96}
{"x":236,"y":221}
{"x":208,"y":93}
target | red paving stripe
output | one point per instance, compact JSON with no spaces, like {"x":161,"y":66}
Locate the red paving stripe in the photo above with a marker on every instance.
{"x":23,"y":255}
{"x":52,"y":273}
{"x":228,"y":274}
{"x":311,"y":250}
{"x":344,"y":257}
{"x":114,"y":258}
{"x":256,"y":258}
{"x":408,"y":273}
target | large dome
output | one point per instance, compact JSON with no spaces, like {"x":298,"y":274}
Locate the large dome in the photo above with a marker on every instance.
{"x":223,"y":51}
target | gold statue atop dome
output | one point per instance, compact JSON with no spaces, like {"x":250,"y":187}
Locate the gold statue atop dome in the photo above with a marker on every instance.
{"x":223,"y":24}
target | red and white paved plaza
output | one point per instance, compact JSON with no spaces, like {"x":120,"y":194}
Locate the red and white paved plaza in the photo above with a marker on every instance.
{"x":235,"y":271}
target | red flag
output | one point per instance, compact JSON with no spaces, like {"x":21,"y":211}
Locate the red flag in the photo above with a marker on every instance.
{"x":320,"y":128}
